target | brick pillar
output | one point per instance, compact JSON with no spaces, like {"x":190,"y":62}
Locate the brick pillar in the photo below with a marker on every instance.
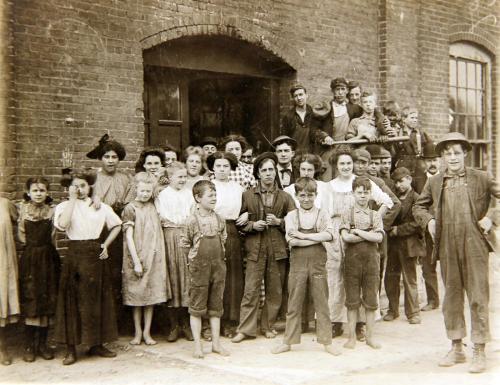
{"x":398,"y":51}
{"x":7,"y":132}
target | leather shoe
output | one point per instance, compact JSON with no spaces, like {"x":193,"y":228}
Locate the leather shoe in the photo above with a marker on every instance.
{"x":6,"y":359}
{"x":29,"y":354}
{"x":415,"y":320}
{"x":101,"y":351}
{"x":337,"y":329}
{"x":390,"y":317}
{"x":173,"y":335}
{"x":188,"y":334}
{"x":429,"y":307}
{"x":70,"y":357}
{"x":360,"y":332}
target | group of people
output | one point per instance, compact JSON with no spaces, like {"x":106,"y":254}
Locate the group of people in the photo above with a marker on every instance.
{"x":351,"y":195}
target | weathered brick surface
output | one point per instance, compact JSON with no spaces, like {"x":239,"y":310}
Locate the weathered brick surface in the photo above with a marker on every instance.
{"x":82,"y":60}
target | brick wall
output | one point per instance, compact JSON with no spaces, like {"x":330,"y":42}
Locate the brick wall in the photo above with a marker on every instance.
{"x":78,"y":66}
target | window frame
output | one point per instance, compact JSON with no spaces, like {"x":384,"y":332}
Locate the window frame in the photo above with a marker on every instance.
{"x":471,"y":53}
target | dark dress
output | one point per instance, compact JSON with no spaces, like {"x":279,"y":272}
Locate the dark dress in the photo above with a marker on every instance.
{"x":39,"y":269}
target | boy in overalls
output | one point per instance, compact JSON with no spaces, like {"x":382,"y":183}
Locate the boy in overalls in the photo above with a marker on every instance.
{"x":306,"y":228}
{"x":361,"y":229}
{"x":204,"y":236}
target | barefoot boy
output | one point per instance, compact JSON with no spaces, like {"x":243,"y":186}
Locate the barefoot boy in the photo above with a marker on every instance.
{"x":361,"y":230}
{"x":205,"y":236}
{"x":306,"y":227}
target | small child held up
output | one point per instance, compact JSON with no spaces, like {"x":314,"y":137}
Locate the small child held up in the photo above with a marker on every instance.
{"x":306,"y":228}
{"x":365,"y":127}
{"x":205,"y":235}
{"x":144,"y":273}
{"x":361,"y":229}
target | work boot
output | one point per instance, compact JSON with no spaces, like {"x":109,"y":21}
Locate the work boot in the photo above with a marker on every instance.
{"x":70,"y":357}
{"x":29,"y":344}
{"x":415,"y":320}
{"x":5,"y":358}
{"x":478,"y":364}
{"x":455,"y":356}
{"x":337,"y":329}
{"x":390,"y":316}
{"x":360,"y":332}
{"x":174,"y":334}
{"x":430,"y":306}
{"x":101,"y":351}
{"x":43,"y":350}
{"x":188,"y":334}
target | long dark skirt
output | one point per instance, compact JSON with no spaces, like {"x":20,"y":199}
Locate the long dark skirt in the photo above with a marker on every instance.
{"x":85,"y":306}
{"x":39,"y":269}
{"x":235,"y":281}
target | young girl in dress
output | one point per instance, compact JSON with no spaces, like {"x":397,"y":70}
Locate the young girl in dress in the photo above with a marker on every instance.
{"x":145,"y":279}
{"x":228,"y":206}
{"x":174,"y":204}
{"x":85,"y":307}
{"x":9,"y":297}
{"x":39,"y":267}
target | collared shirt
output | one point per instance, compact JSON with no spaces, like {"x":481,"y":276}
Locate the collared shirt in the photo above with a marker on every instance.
{"x":198,"y":226}
{"x":364,"y":125}
{"x":428,"y":174}
{"x":362,"y":220}
{"x":243,"y":175}
{"x":309,"y":219}
{"x":267,"y":194}
{"x":285,"y":175}
{"x":86,"y":222}
{"x":339,"y":109}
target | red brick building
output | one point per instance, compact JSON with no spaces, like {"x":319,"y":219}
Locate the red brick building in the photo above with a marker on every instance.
{"x":150,"y":70}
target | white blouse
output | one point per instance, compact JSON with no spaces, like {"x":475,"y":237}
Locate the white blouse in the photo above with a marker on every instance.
{"x":377,"y":195}
{"x":229,"y":195}
{"x":323,"y":198}
{"x":175,"y":205}
{"x":86,"y":222}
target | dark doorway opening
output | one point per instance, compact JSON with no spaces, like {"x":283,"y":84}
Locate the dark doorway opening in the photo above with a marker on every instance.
{"x":212,"y":86}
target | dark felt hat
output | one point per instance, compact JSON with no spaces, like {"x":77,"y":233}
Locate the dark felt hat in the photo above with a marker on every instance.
{"x":261,"y":158}
{"x":208,"y":140}
{"x":296,"y":87}
{"x":453,"y":137}
{"x":105,"y":145}
{"x":284,"y":139}
{"x":429,"y":151}
{"x":377,"y":152}
{"x":361,"y":153}
{"x":400,"y":173}
{"x":338,"y":82}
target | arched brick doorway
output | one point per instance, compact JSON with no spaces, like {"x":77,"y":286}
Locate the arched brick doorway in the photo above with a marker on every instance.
{"x":209,"y":85}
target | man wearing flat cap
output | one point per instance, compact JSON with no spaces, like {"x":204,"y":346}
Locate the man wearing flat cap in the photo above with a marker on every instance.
{"x":459,"y":224}
{"x":300,"y":122}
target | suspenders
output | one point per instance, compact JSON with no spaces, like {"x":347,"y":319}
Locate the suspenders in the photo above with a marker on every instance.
{"x":353,"y":226}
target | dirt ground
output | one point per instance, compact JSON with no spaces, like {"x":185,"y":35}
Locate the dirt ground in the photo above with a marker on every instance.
{"x":409,"y":355}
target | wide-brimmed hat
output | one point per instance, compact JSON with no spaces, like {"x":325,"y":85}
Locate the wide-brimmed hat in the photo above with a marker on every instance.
{"x":453,"y":137}
{"x":105,"y":145}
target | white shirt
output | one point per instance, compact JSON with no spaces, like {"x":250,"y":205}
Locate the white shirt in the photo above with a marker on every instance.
{"x":229,"y":196}
{"x":323,"y":198}
{"x":175,"y":205}
{"x":86,"y":222}
{"x":339,"y":109}
{"x":377,"y":195}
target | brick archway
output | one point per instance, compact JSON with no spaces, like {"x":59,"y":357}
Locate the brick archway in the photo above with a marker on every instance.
{"x":254,"y":35}
{"x":459,"y":32}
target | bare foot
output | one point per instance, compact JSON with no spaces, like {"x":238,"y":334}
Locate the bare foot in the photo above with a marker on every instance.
{"x":351,"y":343}
{"x":332,"y":350}
{"x":220,"y":350}
{"x":269,"y":334}
{"x":373,"y":344}
{"x":281,"y":349}
{"x":148,"y":340}
{"x":198,"y":351}
{"x":137,"y":340}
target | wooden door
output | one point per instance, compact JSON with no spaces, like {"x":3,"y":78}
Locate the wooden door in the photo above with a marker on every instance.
{"x":166,"y":107}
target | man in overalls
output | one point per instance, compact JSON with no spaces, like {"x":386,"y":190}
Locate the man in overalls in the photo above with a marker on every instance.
{"x":458,"y":226}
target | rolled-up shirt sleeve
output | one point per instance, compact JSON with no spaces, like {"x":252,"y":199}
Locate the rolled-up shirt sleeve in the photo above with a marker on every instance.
{"x":380,"y":197}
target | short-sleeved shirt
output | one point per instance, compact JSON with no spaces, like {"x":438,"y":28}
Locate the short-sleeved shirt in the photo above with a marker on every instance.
{"x":362,"y":220}
{"x":309,"y":219}
{"x":86,"y":222}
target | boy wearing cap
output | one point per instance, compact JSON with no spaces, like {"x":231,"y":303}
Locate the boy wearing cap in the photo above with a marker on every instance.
{"x":406,"y":245}
{"x":300,"y":122}
{"x":266,"y":248}
{"x":458,"y":225}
